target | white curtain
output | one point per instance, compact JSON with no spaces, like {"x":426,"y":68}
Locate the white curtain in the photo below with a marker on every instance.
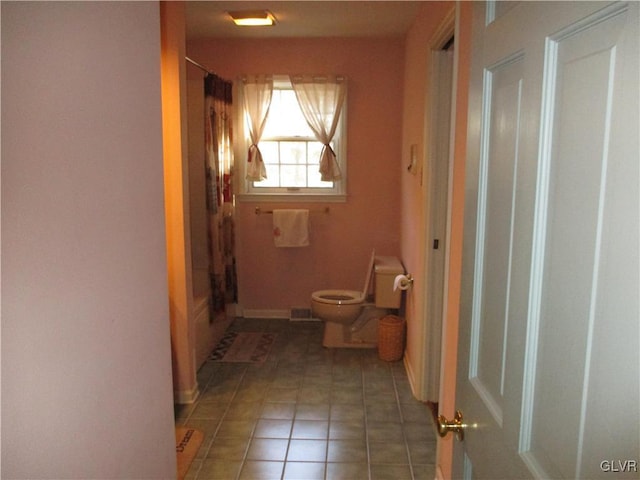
{"x":256,"y":98}
{"x":321,"y":100}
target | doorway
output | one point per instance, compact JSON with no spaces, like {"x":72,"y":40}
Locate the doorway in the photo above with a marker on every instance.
{"x":437,"y":180}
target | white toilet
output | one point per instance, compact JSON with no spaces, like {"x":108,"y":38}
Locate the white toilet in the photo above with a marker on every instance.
{"x":350,"y":316}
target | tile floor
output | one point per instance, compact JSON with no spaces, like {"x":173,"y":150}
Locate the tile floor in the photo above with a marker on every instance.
{"x":308,"y":413}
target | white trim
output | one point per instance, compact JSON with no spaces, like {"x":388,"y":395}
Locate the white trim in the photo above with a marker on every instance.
{"x":290,"y":197}
{"x":538,"y":244}
{"x":185,"y":397}
{"x":487,"y":398}
{"x":445,"y":31}
{"x":421,"y":383}
{"x":481,"y":223}
{"x":467,"y":467}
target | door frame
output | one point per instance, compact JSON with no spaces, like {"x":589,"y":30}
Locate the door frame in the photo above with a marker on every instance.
{"x":432,"y":333}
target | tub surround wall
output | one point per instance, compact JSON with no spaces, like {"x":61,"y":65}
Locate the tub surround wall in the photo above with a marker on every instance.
{"x":275,"y":279}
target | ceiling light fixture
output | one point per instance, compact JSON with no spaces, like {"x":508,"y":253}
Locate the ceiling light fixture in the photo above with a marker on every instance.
{"x":253,"y":18}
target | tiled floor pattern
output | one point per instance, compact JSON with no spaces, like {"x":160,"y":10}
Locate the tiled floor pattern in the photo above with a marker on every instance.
{"x":308,"y":413}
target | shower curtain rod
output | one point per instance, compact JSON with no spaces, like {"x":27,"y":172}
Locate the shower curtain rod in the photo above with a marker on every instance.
{"x":201,"y":67}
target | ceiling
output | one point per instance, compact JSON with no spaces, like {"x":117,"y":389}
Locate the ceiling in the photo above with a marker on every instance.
{"x":303,"y":19}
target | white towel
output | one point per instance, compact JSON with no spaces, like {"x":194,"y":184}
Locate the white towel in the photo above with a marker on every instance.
{"x":291,"y":228}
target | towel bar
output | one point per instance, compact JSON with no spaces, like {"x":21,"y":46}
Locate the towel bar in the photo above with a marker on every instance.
{"x":259,"y":211}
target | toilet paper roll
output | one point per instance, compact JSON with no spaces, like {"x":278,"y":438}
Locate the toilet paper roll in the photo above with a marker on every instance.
{"x":402,"y":282}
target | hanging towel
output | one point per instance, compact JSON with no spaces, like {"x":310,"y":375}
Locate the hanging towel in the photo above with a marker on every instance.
{"x":291,"y":228}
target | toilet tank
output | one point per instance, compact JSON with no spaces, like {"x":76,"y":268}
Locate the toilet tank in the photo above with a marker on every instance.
{"x":386,"y":269}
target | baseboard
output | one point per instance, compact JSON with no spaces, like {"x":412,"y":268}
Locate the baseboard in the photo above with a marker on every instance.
{"x":185,"y":397}
{"x":413,"y":383}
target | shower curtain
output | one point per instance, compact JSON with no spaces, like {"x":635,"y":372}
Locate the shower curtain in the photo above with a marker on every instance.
{"x":220,"y":201}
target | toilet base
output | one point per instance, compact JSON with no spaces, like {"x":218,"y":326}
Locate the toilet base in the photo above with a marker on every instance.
{"x":337,"y":335}
{"x":363,"y":333}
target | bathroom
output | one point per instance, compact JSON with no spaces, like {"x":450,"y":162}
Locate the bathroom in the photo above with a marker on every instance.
{"x":98,"y":314}
{"x":87,"y":319}
{"x":384,"y":207}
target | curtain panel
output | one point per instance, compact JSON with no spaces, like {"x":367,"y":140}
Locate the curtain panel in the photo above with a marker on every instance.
{"x":321,"y":100}
{"x":219,"y":182}
{"x":256,"y":93}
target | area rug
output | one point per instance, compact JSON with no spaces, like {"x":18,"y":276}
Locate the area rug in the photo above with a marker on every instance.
{"x":243,"y":347}
{"x":188,"y":442}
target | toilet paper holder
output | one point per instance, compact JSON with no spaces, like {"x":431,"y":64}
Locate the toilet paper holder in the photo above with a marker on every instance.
{"x":403,"y":282}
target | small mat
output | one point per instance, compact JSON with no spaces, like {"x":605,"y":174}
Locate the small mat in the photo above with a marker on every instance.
{"x":188,"y":442}
{"x":243,"y":347}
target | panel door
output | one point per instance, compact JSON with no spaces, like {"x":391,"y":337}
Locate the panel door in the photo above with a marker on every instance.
{"x":548,"y":367}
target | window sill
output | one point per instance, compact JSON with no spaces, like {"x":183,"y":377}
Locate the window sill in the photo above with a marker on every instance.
{"x":291,"y":198}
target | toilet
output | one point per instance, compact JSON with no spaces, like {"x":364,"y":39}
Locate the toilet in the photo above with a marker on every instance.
{"x":351,"y":316}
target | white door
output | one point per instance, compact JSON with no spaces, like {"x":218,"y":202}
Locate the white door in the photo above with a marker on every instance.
{"x":548,"y":367}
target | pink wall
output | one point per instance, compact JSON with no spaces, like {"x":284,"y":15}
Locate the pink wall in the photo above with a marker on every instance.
{"x":341,"y":242}
{"x":414,"y":198}
{"x":86,"y":364}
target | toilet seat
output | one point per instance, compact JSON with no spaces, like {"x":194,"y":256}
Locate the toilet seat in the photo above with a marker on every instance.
{"x":338,"y":297}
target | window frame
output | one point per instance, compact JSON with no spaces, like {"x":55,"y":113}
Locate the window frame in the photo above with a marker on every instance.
{"x":249,"y":192}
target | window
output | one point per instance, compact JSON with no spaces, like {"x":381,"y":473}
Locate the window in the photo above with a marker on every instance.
{"x":291,"y":152}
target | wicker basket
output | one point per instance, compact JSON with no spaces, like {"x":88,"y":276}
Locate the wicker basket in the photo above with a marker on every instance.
{"x":391,"y":338}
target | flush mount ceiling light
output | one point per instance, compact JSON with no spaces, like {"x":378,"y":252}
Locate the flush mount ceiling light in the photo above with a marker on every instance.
{"x":253,"y":18}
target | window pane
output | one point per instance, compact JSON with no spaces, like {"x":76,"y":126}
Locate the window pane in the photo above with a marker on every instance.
{"x":315,"y":178}
{"x":272,"y":179}
{"x":293,"y":152}
{"x":269,"y":152}
{"x":315,"y":149}
{"x":293,"y":176}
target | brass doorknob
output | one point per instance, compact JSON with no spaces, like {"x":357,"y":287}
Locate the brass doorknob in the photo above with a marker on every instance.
{"x":445,"y":426}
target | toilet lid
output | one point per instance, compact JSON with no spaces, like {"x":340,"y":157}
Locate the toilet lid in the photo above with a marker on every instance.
{"x":367,"y":280}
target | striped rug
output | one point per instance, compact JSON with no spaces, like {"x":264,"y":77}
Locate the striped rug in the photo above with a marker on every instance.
{"x":243,"y":347}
